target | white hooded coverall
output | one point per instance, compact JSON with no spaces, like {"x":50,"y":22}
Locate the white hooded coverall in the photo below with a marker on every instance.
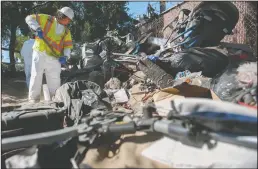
{"x":26,"y":53}
{"x":43,"y":62}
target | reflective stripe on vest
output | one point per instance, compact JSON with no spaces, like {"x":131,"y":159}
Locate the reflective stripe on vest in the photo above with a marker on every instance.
{"x":68,"y":43}
{"x":58,"y":47}
{"x":48,"y":24}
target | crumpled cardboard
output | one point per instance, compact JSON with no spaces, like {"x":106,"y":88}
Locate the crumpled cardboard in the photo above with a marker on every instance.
{"x":125,"y":153}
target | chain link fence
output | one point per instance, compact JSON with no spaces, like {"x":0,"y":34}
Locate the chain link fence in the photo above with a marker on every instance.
{"x":250,"y":24}
{"x":155,"y":26}
{"x":245,"y":31}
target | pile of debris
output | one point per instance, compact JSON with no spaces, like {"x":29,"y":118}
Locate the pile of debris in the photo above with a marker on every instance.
{"x":156,"y":70}
{"x":152,"y":85}
{"x":147,"y":72}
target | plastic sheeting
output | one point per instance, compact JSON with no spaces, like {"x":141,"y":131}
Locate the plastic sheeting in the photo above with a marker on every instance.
{"x":227,"y":84}
{"x":80,"y":97}
{"x":157,"y":41}
{"x":89,"y":54}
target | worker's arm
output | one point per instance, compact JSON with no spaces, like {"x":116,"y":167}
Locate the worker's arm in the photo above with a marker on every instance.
{"x":33,"y":23}
{"x":68,"y":44}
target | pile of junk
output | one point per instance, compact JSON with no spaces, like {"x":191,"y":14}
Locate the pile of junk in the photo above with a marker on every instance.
{"x":141,"y":77}
{"x":192,"y":63}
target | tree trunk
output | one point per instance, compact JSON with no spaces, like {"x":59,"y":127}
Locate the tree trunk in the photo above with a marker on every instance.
{"x":11,"y":48}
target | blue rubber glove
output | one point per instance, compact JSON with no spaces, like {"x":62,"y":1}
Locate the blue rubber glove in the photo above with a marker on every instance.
{"x":62,"y":60}
{"x":40,"y":34}
{"x":153,"y":58}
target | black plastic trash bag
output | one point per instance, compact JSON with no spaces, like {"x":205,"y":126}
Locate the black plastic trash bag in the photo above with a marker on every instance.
{"x":210,"y":61}
{"x":226,"y":85}
{"x":209,"y":23}
{"x":80,"y":98}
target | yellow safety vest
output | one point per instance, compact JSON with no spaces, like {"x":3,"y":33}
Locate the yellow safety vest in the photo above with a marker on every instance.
{"x":58,"y":42}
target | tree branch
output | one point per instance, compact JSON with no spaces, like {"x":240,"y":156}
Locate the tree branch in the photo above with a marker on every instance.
{"x":38,"y":6}
{"x":9,"y":49}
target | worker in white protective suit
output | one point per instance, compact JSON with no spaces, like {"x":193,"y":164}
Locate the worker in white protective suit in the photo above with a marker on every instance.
{"x":26,"y":53}
{"x":52,"y":32}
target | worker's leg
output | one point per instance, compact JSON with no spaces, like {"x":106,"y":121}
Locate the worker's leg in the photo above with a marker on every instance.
{"x":37,"y":68}
{"x":52,"y":72}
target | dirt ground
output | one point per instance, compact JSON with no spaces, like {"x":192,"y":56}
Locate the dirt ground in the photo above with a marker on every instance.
{"x":13,"y":91}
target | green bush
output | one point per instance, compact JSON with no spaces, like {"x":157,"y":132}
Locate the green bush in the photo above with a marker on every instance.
{"x":19,"y":67}
{"x":6,"y":67}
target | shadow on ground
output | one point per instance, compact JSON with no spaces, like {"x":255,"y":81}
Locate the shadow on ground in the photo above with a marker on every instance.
{"x":13,"y":91}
